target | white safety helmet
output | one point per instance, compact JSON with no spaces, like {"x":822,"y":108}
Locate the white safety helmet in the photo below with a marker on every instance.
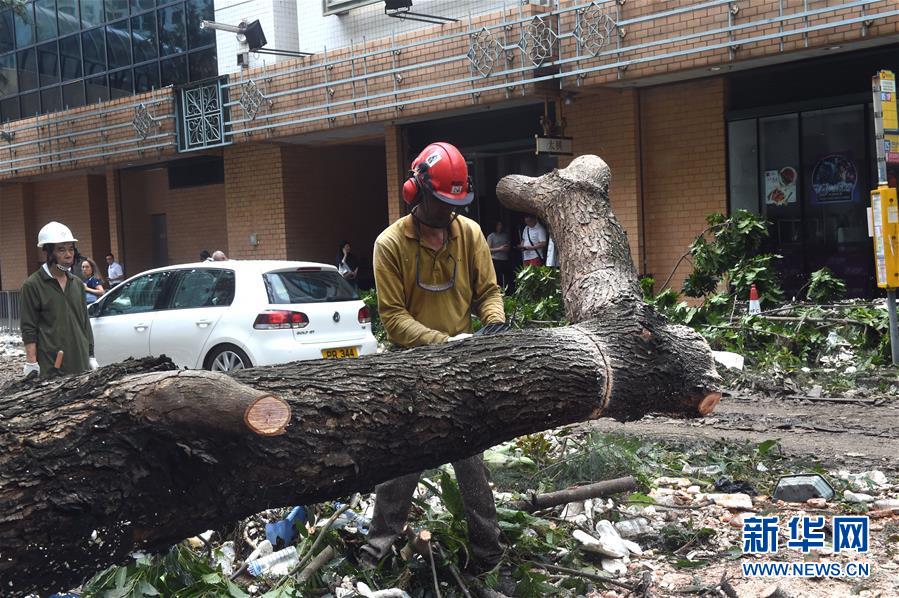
{"x":55,"y":232}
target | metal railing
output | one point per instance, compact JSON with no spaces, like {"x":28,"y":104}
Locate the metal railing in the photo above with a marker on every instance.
{"x":9,"y":311}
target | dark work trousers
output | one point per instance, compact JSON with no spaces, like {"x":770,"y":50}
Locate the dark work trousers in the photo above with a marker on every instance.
{"x":504,"y":274}
{"x":393,"y":500}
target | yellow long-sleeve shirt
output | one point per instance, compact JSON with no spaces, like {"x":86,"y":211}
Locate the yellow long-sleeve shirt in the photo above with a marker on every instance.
{"x":413,"y":316}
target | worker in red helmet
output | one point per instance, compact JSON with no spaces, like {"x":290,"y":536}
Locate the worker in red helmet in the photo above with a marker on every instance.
{"x":432,"y":270}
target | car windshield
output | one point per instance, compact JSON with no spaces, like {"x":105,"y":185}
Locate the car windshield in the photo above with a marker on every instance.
{"x":319,"y":286}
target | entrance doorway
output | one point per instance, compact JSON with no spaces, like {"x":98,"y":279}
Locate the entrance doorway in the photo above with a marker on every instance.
{"x":160,"y":237}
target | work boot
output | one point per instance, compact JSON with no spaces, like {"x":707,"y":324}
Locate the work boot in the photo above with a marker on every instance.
{"x":497,"y":578}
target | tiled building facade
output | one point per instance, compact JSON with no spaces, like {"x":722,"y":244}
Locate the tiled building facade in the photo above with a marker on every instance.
{"x":690,"y":103}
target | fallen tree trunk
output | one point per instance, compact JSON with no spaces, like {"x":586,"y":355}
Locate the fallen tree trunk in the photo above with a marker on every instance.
{"x":133,"y":456}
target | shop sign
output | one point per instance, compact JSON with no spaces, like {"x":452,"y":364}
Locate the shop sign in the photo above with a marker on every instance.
{"x":780,"y":186}
{"x":554,"y":146}
{"x":835,"y":179}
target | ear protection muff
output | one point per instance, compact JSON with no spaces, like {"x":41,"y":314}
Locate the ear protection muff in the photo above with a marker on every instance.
{"x":411,"y":189}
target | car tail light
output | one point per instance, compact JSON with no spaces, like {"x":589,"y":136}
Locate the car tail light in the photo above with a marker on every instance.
{"x":364,"y":315}
{"x":280,"y":319}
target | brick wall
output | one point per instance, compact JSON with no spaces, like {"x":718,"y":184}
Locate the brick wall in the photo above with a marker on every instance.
{"x":606,"y":124}
{"x":254,"y":201}
{"x":684,"y":163}
{"x":18,"y":239}
{"x":68,"y":200}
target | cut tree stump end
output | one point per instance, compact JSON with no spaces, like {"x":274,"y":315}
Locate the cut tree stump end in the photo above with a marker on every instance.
{"x":268,"y":416}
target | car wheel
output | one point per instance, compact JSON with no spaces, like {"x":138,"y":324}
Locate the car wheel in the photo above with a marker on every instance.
{"x":226,"y":358}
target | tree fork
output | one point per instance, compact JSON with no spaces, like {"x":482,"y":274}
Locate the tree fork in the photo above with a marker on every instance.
{"x":133,"y":456}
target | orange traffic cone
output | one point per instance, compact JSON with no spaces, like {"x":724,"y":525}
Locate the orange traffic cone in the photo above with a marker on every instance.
{"x":755,"y":306}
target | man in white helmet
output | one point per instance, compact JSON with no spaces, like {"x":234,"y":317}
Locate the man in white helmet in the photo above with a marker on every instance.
{"x":55,"y":326}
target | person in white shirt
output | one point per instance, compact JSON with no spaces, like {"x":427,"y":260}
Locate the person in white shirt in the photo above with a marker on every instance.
{"x":499,"y":244}
{"x":114,"y":273}
{"x":533,"y":242}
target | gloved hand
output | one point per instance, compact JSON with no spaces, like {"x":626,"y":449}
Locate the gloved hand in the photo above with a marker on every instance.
{"x":459,"y":337}
{"x":92,"y":362}
{"x":31,"y":367}
{"x":493,"y":329}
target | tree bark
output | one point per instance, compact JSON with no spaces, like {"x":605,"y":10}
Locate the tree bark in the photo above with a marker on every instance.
{"x":134,"y":455}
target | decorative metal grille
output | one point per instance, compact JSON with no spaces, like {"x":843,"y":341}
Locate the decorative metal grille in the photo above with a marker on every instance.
{"x":142,"y":121}
{"x":594,"y":29}
{"x":484,"y":51}
{"x":537,"y":40}
{"x":252,"y":98}
{"x":202,"y":121}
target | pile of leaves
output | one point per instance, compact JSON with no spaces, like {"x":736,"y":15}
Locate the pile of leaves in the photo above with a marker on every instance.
{"x":818,"y":330}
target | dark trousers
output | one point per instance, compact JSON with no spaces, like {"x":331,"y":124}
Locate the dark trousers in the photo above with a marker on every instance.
{"x":393,"y":500}
{"x":504,"y":273}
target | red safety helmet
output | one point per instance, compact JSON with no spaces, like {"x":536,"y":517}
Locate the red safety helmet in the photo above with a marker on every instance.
{"x":441,"y":169}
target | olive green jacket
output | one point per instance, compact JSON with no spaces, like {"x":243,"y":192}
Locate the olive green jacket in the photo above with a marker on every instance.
{"x":56,"y":321}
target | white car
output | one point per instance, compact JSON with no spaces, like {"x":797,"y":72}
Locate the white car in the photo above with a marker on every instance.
{"x":232,"y":314}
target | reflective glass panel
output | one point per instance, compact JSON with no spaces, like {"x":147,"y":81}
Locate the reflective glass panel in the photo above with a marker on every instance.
{"x":24,"y":27}
{"x":203,"y":64}
{"x":96,"y":90}
{"x":51,"y":101}
{"x":45,"y":19}
{"x":118,"y":44}
{"x":139,"y":5}
{"x":146,"y":77}
{"x":198,"y":10}
{"x":174,"y":70}
{"x":31,"y":104}
{"x":27,"y":70}
{"x":143,"y":36}
{"x":7,"y":31}
{"x":93,"y":44}
{"x":69,"y":58}
{"x":9,"y":83}
{"x":172,"y":30}
{"x":121,"y":84}
{"x":48,"y":64}
{"x":91,"y":13}
{"x":116,"y":9}
{"x":67,"y":14}
{"x":9,"y":109}
{"x":73,"y":94}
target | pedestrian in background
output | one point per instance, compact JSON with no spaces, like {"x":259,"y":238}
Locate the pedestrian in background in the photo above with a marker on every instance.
{"x":218,"y":256}
{"x":93,"y":286}
{"x":115,"y":275}
{"x":533,"y":242}
{"x":205,"y":256}
{"x":53,"y":311}
{"x":346,"y":263}
{"x":500,"y":247}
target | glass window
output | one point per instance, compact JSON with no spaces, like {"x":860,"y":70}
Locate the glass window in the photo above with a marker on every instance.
{"x":70,"y":58}
{"x":198,"y":10}
{"x":73,"y":94}
{"x":172,"y":30}
{"x":7,"y":31}
{"x":24,"y":26}
{"x":93,"y":44}
{"x":308,"y":287}
{"x":743,"y":165}
{"x":91,"y":13}
{"x":96,"y":89}
{"x":137,"y":296}
{"x":146,"y":77}
{"x":143,"y":37}
{"x":67,"y":13}
{"x":139,"y":5}
{"x":203,"y":64}
{"x":51,"y":101}
{"x":48,"y":64}
{"x":9,"y":83}
{"x":9,"y":109}
{"x":45,"y":19}
{"x":173,"y":71}
{"x":204,"y":288}
{"x":121,"y":84}
{"x":118,"y":44}
{"x":116,"y":9}
{"x":31,"y":104}
{"x":27,"y":70}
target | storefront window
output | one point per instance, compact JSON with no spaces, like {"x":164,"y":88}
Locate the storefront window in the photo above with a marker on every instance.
{"x":743,"y":169}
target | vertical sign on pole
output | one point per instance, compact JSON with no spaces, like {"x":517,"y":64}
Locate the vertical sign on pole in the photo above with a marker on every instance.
{"x":884,"y":201}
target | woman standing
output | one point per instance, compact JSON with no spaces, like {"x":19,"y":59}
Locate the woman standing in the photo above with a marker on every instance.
{"x":346,"y":263}
{"x":93,"y":286}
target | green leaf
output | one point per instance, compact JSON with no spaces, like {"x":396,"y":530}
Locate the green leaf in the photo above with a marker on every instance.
{"x":685,"y":564}
{"x":640,"y":498}
{"x":449,"y":493}
{"x":212,"y":578}
{"x":145,"y":588}
{"x":763,"y":448}
{"x":234,"y":591}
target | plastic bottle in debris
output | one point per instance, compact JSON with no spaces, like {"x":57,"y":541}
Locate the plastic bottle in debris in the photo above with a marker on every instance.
{"x":349,"y":517}
{"x":276,"y":563}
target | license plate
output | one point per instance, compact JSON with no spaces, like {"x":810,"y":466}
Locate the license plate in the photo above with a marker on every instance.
{"x":340,"y":353}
